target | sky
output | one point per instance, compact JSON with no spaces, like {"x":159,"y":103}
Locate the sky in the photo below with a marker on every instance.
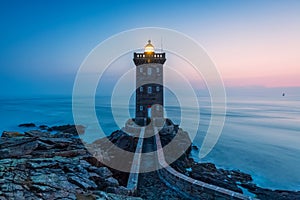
{"x":43,"y":43}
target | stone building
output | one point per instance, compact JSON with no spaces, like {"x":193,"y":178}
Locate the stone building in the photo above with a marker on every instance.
{"x":149,"y":85}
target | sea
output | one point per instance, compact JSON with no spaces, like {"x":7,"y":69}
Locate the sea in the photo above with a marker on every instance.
{"x":261,"y":135}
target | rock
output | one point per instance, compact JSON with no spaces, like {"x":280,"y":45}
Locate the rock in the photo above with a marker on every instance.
{"x":36,"y":133}
{"x":195,"y":147}
{"x":239,"y":176}
{"x":71,"y":153}
{"x":249,"y":186}
{"x":57,"y":142}
{"x":39,"y":165}
{"x":265,"y":194}
{"x":83,"y":183}
{"x":28,"y":125}
{"x":122,"y":197}
{"x":104,"y":172}
{"x":123,"y":140}
{"x":42,"y":188}
{"x":50,"y":179}
{"x":101,"y":195}
{"x":112,"y":182}
{"x":122,"y":191}
{"x":72,"y":129}
{"x":44,"y":127}
{"x":111,"y":190}
{"x":11,"y":134}
{"x":42,"y":164}
{"x":229,"y":179}
{"x":19,"y":150}
{"x":85,"y":164}
{"x":44,"y":146}
{"x":206,"y":167}
{"x":87,"y":196}
{"x":208,"y":173}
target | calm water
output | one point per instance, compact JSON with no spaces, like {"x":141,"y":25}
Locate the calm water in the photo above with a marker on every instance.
{"x":261,"y":136}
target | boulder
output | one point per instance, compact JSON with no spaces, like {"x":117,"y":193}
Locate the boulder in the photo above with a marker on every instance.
{"x":112,"y":182}
{"x":10,"y":134}
{"x":28,"y":125}
{"x":103,"y":172}
{"x":82,"y":182}
{"x":44,"y":127}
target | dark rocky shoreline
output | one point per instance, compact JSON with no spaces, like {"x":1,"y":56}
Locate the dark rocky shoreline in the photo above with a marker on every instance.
{"x":234,"y":180}
{"x":53,"y":163}
{"x":39,"y":165}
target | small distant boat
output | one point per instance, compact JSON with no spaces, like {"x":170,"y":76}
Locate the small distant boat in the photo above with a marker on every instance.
{"x":283,"y":94}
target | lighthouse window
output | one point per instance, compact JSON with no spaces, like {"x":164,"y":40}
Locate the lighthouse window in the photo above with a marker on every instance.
{"x":157,"y":70}
{"x":149,"y":71}
{"x":141,"y":70}
{"x":141,"y":108}
{"x":157,"y":88}
{"x":157,"y":107}
{"x":149,"y":90}
{"x":141,"y":89}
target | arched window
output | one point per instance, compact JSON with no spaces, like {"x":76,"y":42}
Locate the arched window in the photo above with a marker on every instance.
{"x":141,"y":108}
{"x":141,"y":89}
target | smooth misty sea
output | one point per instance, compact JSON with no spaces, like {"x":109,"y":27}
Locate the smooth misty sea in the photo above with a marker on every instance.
{"x":261,"y":136}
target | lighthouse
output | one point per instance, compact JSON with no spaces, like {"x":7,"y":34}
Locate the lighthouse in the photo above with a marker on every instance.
{"x":149,"y":85}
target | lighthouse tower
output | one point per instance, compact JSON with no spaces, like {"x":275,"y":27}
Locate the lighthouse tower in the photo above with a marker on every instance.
{"x":149,"y":85}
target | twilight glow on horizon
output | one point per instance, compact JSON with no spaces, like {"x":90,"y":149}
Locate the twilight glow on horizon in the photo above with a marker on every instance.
{"x":253,"y":43}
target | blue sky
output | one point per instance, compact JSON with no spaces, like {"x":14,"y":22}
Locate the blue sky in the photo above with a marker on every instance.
{"x":44,"y":42}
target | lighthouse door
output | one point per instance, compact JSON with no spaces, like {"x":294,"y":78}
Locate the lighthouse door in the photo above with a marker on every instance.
{"x":149,"y":111}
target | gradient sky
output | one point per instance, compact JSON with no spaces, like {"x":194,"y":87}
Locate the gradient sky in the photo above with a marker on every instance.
{"x":253,"y":43}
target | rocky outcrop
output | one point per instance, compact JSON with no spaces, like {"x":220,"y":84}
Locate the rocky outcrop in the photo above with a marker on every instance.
{"x":103,"y":150}
{"x":71,"y":129}
{"x":181,"y":143}
{"x":40,"y":165}
{"x":208,"y":173}
{"x":234,"y":180}
{"x":53,"y":163}
{"x":266,"y":194}
{"x":28,"y":125}
{"x":151,"y":187}
{"x":123,"y":140}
